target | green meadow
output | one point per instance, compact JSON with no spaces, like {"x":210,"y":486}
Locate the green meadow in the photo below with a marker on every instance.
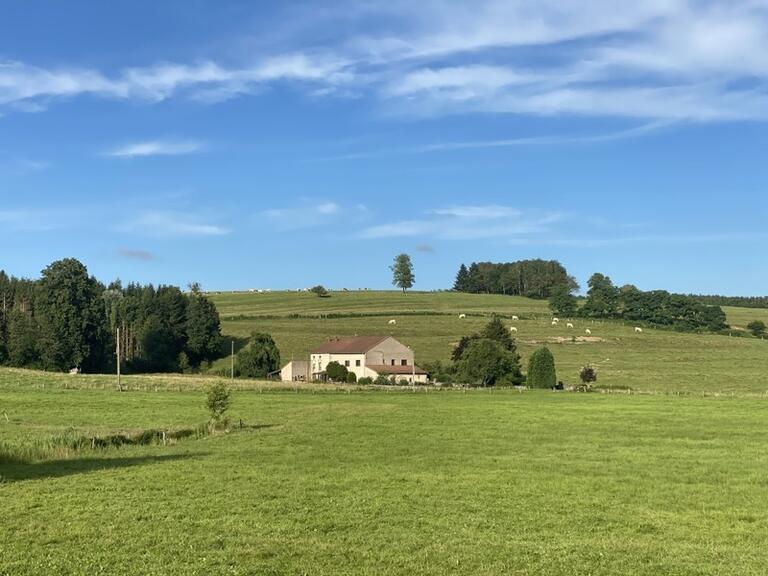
{"x":669,"y":479}
{"x":390,"y":483}
{"x":656,"y":360}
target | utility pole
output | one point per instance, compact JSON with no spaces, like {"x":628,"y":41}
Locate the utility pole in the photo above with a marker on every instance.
{"x":119,"y":384}
{"x":232,"y":362}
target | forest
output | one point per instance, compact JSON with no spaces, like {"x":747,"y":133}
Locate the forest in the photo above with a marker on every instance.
{"x":531,"y":278}
{"x":68,"y":320}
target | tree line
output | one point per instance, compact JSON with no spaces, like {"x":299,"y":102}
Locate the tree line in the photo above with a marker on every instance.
{"x":531,"y":278}
{"x":741,"y":301}
{"x":655,"y":307}
{"x":68,"y":319}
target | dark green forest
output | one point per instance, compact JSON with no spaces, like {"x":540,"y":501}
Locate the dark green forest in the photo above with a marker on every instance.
{"x":531,"y":278}
{"x":67,"y":319}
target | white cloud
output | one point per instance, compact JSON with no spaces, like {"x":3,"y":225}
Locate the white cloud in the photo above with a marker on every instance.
{"x":310,"y":213}
{"x":466,"y":223}
{"x":328,"y":208}
{"x":156,"y":148}
{"x":171,"y":223}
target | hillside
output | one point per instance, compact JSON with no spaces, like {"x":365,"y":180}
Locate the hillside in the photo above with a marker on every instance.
{"x":657,"y":360}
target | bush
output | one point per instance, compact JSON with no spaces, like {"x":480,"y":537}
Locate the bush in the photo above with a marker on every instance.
{"x":404,"y":382}
{"x":541,"y":369}
{"x":484,"y":362}
{"x":587,"y":375}
{"x":217,"y":401}
{"x":351,"y":377}
{"x":757,"y":328}
{"x":382,"y":380}
{"x":365,"y":380}
{"x":336,"y":372}
{"x":320,"y":291}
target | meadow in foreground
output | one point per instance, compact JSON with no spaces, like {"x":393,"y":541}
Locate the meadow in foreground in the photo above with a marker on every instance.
{"x":391,"y":483}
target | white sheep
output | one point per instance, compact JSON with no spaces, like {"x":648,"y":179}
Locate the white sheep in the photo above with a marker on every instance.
{"x":393,"y":321}
{"x":569,"y":325}
{"x":638,"y":330}
{"x":462,"y":315}
{"x":587,"y":331}
{"x":515,"y":318}
{"x":554,"y":323}
{"x":513,"y":329}
{"x":555,"y":320}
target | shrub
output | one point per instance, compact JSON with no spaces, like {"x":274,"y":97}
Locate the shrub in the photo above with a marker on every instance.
{"x":404,"y":382}
{"x":336,"y":372}
{"x":217,"y":401}
{"x":484,"y":362}
{"x":587,"y":375}
{"x":365,"y":380}
{"x":351,"y":377}
{"x":320,"y":291}
{"x":382,"y":380}
{"x":757,"y":328}
{"x":541,"y":369}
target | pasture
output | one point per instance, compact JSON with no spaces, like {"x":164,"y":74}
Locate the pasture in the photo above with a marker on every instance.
{"x":449,"y":482}
{"x":656,"y":360}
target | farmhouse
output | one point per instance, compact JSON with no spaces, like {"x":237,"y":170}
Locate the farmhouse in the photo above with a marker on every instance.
{"x":369,"y":356}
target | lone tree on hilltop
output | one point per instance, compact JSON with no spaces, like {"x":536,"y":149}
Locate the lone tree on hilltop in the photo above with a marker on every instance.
{"x":541,"y":369}
{"x":402,"y":272}
{"x":320,"y":291}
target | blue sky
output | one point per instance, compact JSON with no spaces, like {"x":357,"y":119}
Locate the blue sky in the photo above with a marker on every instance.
{"x":260,"y":144}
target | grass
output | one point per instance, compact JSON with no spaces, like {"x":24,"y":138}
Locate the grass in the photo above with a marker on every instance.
{"x":397,"y":483}
{"x":657,"y":360}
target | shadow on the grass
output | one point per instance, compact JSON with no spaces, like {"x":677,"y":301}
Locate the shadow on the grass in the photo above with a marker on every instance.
{"x":16,"y":471}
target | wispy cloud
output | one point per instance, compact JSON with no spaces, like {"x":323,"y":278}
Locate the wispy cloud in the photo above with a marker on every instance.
{"x":132,"y":254}
{"x":466,"y":223}
{"x":171,"y":223}
{"x":156,"y":148}
{"x":310,"y":213}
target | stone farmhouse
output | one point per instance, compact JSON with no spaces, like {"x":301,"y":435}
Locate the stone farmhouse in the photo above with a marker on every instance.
{"x":366,"y":356}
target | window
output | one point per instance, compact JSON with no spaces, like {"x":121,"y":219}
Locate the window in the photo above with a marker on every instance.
{"x":346,"y":363}
{"x":393,"y":361}
{"x":403,"y":362}
{"x":357,"y":362}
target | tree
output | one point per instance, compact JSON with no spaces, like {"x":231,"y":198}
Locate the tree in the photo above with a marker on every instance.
{"x":757,"y":328}
{"x":72,"y":319}
{"x":336,"y":372}
{"x":217,"y":401}
{"x":486,"y":363}
{"x":351,"y":377}
{"x":320,"y":291}
{"x":562,"y":302}
{"x":462,"y":280}
{"x":22,"y":339}
{"x":402,"y":272}
{"x":587,"y":375}
{"x":203,"y":330}
{"x":259,"y":358}
{"x":495,"y":331}
{"x":602,"y":297}
{"x":541,"y":369}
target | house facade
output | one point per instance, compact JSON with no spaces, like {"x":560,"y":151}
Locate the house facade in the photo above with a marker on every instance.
{"x":365,"y":356}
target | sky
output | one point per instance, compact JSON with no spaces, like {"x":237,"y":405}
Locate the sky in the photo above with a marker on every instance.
{"x":246,"y":144}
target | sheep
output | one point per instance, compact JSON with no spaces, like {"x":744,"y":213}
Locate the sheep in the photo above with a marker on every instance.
{"x":515,"y":318}
{"x":513,"y":329}
{"x":555,"y":320}
{"x":461,"y":316}
{"x":638,"y":330}
{"x":588,"y":331}
{"x":569,"y":325}
{"x":393,"y":321}
{"x":554,"y":323}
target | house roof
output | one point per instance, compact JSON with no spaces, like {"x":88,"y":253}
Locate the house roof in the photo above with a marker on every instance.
{"x":384,"y":369}
{"x":356,"y":345}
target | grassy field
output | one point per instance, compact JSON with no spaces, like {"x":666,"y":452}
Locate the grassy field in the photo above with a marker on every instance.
{"x":657,"y":360}
{"x":390,"y":483}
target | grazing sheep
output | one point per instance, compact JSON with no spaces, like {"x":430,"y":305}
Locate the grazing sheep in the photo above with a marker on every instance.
{"x":462,"y":315}
{"x":555,"y":320}
{"x":554,"y":323}
{"x":515,"y":318}
{"x":393,"y":321}
{"x":587,"y":331}
{"x":513,"y":329}
{"x":569,"y":325}
{"x":638,"y":330}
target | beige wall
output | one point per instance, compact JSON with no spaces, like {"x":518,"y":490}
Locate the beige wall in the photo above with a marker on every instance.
{"x":387,"y":350}
{"x":295,"y":370}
